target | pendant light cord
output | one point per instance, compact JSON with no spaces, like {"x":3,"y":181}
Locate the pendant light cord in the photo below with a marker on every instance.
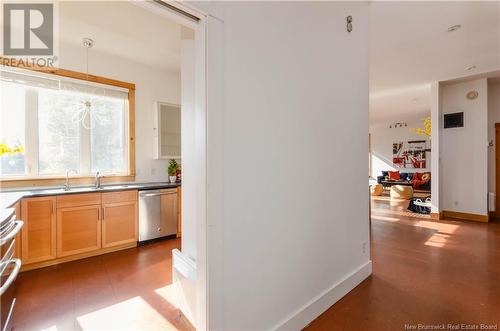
{"x":87,"y":64}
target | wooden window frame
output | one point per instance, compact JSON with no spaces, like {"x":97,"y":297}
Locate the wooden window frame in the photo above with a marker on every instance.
{"x":57,"y":180}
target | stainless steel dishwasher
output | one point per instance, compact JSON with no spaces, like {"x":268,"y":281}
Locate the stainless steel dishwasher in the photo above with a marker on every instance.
{"x":157,"y":213}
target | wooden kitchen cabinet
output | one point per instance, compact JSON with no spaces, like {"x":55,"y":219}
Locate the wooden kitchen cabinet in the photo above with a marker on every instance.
{"x":179,"y":212}
{"x":74,"y":226}
{"x":78,"y":230}
{"x":39,"y":231}
{"x":169,"y":212}
{"x":76,"y":200}
{"x":119,"y":224}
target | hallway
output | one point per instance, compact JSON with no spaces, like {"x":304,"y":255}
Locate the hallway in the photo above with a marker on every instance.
{"x":424,"y":272}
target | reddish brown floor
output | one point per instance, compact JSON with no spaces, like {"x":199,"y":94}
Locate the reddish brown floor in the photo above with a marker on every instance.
{"x":424,"y":272}
{"x":123,"y":290}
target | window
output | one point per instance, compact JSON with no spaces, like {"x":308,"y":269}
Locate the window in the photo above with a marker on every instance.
{"x":12,"y":126}
{"x":58,"y":133}
{"x":46,"y":131}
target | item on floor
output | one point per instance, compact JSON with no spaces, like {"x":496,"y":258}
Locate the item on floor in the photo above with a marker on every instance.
{"x":172,"y":170}
{"x":417,"y":205}
{"x":401,"y":192}
{"x":376,"y":189}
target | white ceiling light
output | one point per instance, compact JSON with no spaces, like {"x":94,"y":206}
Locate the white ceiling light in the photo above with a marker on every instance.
{"x":454,"y":27}
{"x":86,"y":113}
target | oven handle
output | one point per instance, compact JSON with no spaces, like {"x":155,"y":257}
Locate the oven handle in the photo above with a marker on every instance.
{"x":12,"y":276}
{"x":13,"y":233}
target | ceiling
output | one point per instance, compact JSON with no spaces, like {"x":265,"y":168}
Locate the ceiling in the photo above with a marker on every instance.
{"x":122,"y":29}
{"x":410,"y":47}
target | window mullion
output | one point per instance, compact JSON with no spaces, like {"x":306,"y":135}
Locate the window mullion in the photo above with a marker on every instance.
{"x":126,"y":136}
{"x":31,"y":122}
{"x":84,"y":150}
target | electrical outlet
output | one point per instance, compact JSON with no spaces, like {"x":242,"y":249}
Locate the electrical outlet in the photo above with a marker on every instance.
{"x":455,"y":203}
{"x":153,"y":171}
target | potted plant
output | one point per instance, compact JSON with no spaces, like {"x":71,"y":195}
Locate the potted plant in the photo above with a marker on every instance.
{"x":172,"y":170}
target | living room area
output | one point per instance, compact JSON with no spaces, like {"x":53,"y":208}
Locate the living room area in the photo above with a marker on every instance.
{"x":432,"y":109}
{"x":399,"y":163}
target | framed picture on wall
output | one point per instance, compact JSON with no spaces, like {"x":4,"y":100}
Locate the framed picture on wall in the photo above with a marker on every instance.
{"x":409,"y":154}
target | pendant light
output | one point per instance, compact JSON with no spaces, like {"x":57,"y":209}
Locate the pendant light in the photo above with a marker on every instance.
{"x":86,"y":112}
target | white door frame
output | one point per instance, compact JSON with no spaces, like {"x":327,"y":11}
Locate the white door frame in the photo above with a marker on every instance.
{"x":201,"y":69}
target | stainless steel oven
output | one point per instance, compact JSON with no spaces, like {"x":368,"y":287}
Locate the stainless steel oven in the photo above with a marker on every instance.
{"x":9,"y":266}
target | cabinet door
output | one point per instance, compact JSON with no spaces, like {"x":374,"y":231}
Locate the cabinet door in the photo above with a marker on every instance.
{"x":39,"y":231}
{"x":78,"y":230}
{"x":119,"y":223}
{"x":169,"y":212}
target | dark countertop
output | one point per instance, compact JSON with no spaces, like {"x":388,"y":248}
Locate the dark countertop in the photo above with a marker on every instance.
{"x":11,"y":197}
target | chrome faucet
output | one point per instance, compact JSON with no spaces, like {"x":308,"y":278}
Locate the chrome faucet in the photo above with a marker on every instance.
{"x":66,"y":184}
{"x":98,"y":180}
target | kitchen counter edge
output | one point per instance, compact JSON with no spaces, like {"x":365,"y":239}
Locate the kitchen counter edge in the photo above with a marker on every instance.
{"x":9,"y":199}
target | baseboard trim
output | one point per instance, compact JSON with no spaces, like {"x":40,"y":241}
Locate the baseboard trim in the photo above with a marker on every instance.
{"x":494,"y":214}
{"x":465,"y":216}
{"x":37,"y":265}
{"x":437,"y":216}
{"x":309,"y":312}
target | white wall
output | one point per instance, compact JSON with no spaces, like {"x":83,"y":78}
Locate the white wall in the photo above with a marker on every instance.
{"x":117,"y":54}
{"x":436,"y":122}
{"x":382,"y":138}
{"x":152,"y":84}
{"x":287,"y":118}
{"x":188,"y":135}
{"x":493,"y":117}
{"x":464,"y":154}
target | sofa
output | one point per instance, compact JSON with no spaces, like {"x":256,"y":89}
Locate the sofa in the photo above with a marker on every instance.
{"x":408,"y":176}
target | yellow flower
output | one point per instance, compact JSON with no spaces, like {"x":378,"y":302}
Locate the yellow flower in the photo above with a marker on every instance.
{"x":4,"y":149}
{"x":427,"y":130}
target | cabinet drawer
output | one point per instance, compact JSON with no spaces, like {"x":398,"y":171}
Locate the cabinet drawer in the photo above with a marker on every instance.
{"x":75,"y":200}
{"x":121,"y":196}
